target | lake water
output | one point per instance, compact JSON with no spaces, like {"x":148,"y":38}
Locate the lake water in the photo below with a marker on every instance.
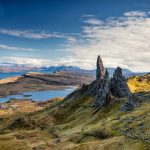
{"x":40,"y":95}
{"x":36,"y":95}
{"x":12,"y":74}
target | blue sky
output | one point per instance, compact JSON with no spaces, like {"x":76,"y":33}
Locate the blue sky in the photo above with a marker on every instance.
{"x":74,"y":32}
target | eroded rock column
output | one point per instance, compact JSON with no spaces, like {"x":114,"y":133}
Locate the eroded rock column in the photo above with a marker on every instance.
{"x":100,"y":71}
{"x":103,"y":95}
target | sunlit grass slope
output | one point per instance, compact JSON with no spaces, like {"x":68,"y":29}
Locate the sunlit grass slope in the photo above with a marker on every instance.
{"x":139,"y":83}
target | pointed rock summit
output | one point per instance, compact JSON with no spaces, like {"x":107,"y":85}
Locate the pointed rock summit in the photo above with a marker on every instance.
{"x":100,"y":71}
{"x":104,"y":88}
{"x":103,"y":96}
{"x":119,"y":87}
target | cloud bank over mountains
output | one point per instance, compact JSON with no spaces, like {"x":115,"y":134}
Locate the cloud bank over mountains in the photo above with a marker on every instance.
{"x":121,"y":41}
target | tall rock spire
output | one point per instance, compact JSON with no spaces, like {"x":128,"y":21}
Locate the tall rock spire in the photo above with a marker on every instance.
{"x":103,"y":95}
{"x":100,"y":68}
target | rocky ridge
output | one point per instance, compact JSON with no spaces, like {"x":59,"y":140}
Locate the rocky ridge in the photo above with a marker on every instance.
{"x":104,"y":88}
{"x":116,"y":86}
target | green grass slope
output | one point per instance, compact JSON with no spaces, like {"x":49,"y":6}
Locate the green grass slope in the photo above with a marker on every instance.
{"x":70,"y":124}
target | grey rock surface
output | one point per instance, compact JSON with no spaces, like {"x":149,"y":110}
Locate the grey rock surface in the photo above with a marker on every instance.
{"x":119,"y":87}
{"x":103,"y":96}
{"x":130,"y":103}
{"x":100,"y":71}
{"x":103,"y":87}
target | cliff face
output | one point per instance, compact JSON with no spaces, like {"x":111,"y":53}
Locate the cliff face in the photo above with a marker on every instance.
{"x":105,"y":87}
{"x":119,"y":87}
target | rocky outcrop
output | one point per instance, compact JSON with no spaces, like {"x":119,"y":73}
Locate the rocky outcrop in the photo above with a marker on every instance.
{"x":100,"y":69}
{"x":130,"y":103}
{"x":95,"y":86}
{"x":20,"y":122}
{"x":103,"y":87}
{"x":103,"y":96}
{"x":119,"y":87}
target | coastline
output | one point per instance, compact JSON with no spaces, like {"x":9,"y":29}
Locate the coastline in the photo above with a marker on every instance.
{"x":32,"y":81}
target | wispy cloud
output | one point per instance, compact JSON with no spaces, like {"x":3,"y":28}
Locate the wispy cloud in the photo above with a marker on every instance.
{"x":40,"y":62}
{"x":24,"y":60}
{"x":93,"y":21}
{"x":122,"y":41}
{"x":87,"y":15}
{"x":31,"y":34}
{"x":6,"y":47}
{"x":135,"y":14}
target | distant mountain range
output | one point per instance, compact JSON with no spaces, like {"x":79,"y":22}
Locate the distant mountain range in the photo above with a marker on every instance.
{"x":126,"y":72}
{"x":8,"y":67}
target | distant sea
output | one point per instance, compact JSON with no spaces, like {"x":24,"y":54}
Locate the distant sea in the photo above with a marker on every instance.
{"x":12,"y":74}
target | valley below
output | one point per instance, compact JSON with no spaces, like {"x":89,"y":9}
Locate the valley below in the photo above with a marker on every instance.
{"x":42,"y":82}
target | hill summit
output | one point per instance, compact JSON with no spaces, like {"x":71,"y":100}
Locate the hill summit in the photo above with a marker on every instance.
{"x":104,"y":88}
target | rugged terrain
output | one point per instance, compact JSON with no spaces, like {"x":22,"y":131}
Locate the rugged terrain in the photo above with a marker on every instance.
{"x":9,"y":67}
{"x":17,"y":106}
{"x":40,"y":82}
{"x":74,"y":123}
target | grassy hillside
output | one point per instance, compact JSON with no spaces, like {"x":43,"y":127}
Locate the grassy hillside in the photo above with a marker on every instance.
{"x":139,"y":83}
{"x":70,"y":124}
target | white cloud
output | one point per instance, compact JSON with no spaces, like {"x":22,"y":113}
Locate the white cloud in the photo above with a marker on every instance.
{"x":93,"y":21}
{"x":33,"y":34}
{"x":42,"y":62}
{"x":6,"y":47}
{"x":135,"y":14}
{"x":87,"y":15}
{"x":122,"y":41}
